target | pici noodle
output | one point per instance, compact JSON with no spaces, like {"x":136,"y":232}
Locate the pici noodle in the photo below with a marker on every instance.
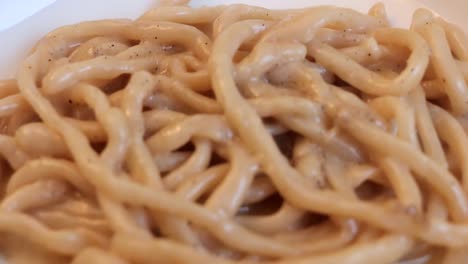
{"x":238,"y":134}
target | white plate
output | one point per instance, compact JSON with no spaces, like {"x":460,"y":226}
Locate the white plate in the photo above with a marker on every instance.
{"x":18,"y":38}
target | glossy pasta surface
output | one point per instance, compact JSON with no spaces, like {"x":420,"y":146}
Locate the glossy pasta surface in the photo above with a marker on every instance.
{"x":238,"y":134}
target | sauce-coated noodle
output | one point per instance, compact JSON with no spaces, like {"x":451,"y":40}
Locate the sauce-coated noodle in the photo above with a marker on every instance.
{"x":238,"y":134}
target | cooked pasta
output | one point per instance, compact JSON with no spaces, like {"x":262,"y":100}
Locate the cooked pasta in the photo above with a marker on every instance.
{"x":238,"y":134}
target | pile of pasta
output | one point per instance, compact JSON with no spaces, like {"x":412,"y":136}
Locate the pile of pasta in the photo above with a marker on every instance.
{"x":238,"y":134}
